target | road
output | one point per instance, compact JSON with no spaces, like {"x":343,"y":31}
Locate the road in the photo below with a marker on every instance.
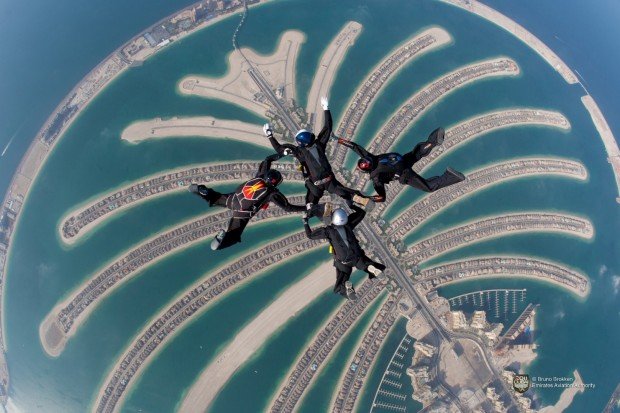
{"x":262,"y":84}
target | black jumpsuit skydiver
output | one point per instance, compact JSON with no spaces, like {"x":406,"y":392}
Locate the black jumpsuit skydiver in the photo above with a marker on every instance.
{"x":392,"y":166}
{"x":316,"y":168}
{"x":247,"y":200}
{"x":347,"y":251}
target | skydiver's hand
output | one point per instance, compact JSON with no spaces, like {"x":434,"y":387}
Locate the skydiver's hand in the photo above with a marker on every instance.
{"x":287,"y":152}
{"x":267,"y":130}
{"x":324,"y":103}
{"x":304,"y":217}
{"x":203,"y":190}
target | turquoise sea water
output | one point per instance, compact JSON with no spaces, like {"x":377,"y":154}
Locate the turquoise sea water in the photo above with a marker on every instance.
{"x":91,"y":159}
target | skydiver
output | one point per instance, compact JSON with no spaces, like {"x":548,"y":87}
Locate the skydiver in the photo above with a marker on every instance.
{"x":392,"y":166}
{"x":346,"y":248}
{"x":310,"y":152}
{"x":246,"y":201}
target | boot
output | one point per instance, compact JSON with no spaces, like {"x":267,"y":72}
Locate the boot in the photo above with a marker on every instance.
{"x":351,"y":295}
{"x":215,"y":244}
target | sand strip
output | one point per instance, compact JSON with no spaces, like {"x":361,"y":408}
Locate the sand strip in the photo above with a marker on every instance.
{"x":254,"y":336}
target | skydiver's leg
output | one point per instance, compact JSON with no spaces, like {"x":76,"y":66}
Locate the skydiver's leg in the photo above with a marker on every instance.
{"x":232,"y":235}
{"x":343,"y":273}
{"x":450,"y":177}
{"x":313,"y":193}
{"x":422,"y":149}
{"x":336,"y":188}
{"x":371,"y":267}
{"x":210,"y":195}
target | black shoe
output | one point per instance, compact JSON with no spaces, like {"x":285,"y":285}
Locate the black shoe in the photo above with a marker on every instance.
{"x":436,"y":137}
{"x":455,"y":174}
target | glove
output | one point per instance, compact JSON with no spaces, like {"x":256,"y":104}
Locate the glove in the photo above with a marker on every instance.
{"x":287,"y":152}
{"x":203,"y":190}
{"x":304,"y":217}
{"x":309,"y":206}
{"x":324,"y":103}
{"x":267,"y":130}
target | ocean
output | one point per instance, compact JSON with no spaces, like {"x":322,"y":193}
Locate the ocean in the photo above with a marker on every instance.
{"x":91,"y":159}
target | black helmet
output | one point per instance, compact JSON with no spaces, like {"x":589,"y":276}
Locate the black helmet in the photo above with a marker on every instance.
{"x":273,"y":177}
{"x":304,"y":138}
{"x":365,"y":164}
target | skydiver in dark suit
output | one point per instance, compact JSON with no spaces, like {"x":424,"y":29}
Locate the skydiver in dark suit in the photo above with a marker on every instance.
{"x":346,"y":248}
{"x":246,"y":201}
{"x":310,"y":152}
{"x":393,"y":166}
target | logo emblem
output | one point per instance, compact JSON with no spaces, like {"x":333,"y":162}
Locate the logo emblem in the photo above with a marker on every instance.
{"x":521,"y":383}
{"x":251,"y":188}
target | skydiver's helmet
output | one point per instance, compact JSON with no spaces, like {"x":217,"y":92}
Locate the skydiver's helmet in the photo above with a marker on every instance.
{"x":340,"y":217}
{"x":304,"y":138}
{"x":273,"y":177}
{"x":365,"y":164}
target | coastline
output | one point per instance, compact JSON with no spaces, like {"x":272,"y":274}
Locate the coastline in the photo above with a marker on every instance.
{"x":252,"y":337}
{"x":329,"y":65}
{"x":520,"y":32}
{"x":38,"y":151}
{"x":52,"y":315}
{"x":579,"y":297}
{"x":201,"y":126}
{"x":109,"y":374}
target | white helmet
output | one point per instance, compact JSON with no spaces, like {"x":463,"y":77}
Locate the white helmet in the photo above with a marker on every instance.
{"x":340,"y":217}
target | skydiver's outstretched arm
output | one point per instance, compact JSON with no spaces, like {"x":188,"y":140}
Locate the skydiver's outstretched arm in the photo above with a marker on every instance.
{"x":356,"y":148}
{"x":357,"y":216}
{"x":266,"y":164}
{"x":280,"y":200}
{"x":380,"y":190}
{"x":282,"y":149}
{"x":326,"y":132}
{"x":318,"y":233}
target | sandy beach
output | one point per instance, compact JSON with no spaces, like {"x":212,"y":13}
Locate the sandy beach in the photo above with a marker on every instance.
{"x":89,"y":227}
{"x":567,"y":396}
{"x":48,"y":327}
{"x":584,"y":278}
{"x":254,"y":336}
{"x":611,"y":145}
{"x":330,"y":62}
{"x":454,"y":141}
{"x":203,"y":126}
{"x":313,"y":281}
{"x":237,"y":86}
{"x":518,"y":31}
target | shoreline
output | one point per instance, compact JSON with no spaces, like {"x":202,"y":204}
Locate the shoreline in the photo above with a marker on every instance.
{"x":38,"y":152}
{"x":609,"y":141}
{"x":463,"y":142}
{"x":349,"y":362}
{"x":237,"y":87}
{"x":331,"y":58}
{"x":485,"y":186}
{"x":253,"y":336}
{"x":87,"y":229}
{"x":197,"y":126}
{"x":514,"y":28}
{"x":567,"y":396}
{"x":381,"y":136}
{"x":579,"y":297}
{"x":52,"y":315}
{"x":163,"y":309}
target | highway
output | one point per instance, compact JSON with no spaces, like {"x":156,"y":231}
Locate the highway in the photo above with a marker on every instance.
{"x":407,"y":285}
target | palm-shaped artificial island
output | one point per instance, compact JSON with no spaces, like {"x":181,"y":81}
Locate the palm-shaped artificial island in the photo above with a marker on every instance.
{"x":460,"y":360}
